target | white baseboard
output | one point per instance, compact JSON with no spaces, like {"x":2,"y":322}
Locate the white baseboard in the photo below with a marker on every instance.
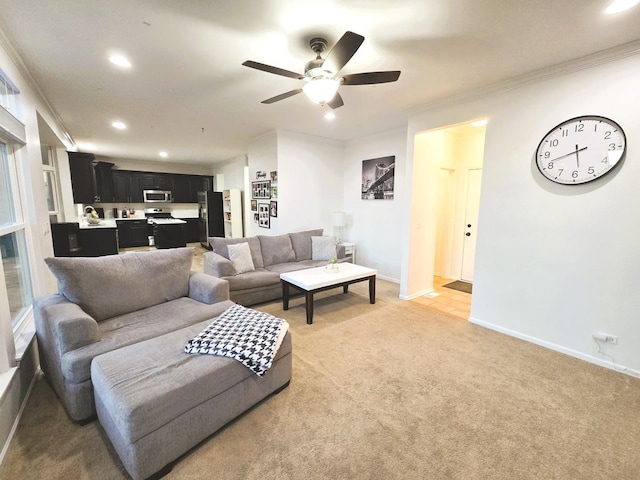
{"x":388,"y":279}
{"x":5,"y":447}
{"x":559,"y":348}
{"x":416,"y":295}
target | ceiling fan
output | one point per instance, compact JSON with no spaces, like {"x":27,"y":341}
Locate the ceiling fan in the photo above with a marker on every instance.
{"x":321,"y":74}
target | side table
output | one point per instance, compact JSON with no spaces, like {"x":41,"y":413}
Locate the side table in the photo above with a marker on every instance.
{"x":349,"y":249}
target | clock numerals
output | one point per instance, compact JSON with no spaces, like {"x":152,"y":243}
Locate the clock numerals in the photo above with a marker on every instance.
{"x":581,"y":150}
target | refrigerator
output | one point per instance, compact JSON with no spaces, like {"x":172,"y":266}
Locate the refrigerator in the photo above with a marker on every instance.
{"x":210,"y":216}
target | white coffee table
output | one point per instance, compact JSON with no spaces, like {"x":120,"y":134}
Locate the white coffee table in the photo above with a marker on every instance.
{"x":314,"y":280}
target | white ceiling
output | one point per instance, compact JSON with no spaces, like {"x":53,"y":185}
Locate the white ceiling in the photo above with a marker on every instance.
{"x":187,"y":92}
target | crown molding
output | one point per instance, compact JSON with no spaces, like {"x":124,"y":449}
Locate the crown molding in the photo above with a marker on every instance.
{"x":558,"y":70}
{"x":16,"y":58}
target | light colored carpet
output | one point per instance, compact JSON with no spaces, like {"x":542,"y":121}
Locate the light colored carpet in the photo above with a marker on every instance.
{"x":386,"y":391}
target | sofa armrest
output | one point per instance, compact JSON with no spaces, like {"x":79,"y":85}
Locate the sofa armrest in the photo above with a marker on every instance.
{"x":207,"y":289}
{"x":70,"y":326}
{"x":217,"y":265}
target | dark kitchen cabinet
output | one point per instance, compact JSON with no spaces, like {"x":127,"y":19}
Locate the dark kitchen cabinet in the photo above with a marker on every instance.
{"x":97,"y":242}
{"x":127,"y":187}
{"x":191,"y":229}
{"x":91,"y":181}
{"x":155,"y":181}
{"x":206,"y":184}
{"x":181,"y":189}
{"x":132,"y":233}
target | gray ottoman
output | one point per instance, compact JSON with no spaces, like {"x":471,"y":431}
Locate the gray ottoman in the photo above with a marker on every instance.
{"x":155,"y":402}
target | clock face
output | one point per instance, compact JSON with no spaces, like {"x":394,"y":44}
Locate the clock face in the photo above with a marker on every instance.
{"x":581,"y":150}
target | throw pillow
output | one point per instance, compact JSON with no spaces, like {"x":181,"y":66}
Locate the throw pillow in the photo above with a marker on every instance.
{"x":323,"y":248}
{"x":240,"y":256}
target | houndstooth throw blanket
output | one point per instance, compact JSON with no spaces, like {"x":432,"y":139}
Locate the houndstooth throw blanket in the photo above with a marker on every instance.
{"x":251,"y":337}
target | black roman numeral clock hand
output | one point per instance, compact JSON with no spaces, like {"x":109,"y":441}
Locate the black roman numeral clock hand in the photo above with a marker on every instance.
{"x":581,"y":150}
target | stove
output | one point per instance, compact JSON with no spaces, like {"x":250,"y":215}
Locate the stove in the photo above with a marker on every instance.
{"x":168,"y":232}
{"x":159,"y":216}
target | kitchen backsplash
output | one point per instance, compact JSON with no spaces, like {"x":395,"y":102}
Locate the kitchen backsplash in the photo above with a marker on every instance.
{"x":178,"y":210}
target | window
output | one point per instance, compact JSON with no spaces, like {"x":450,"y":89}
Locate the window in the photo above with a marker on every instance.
{"x":13,"y":246}
{"x":50,"y":182}
{"x":9,"y":95}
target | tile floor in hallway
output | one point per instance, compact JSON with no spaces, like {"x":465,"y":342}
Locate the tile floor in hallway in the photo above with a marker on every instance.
{"x":452,"y":302}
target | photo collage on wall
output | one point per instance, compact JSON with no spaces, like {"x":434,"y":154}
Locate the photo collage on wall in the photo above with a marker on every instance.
{"x":263,"y":189}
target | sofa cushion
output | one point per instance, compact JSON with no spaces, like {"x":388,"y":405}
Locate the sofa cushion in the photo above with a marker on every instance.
{"x":301,"y":242}
{"x":240,"y":256}
{"x":323,"y":248}
{"x":276,"y":249}
{"x":293,"y":266}
{"x":219,"y":245}
{"x":135,"y":327}
{"x":117,"y":284}
{"x":258,"y":278}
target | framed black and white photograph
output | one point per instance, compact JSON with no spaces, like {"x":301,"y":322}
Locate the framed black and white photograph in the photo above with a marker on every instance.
{"x":378,"y":178}
{"x":255,"y":217}
{"x":273,"y":209}
{"x":274,"y":176}
{"x":261,"y":190}
{"x":263,"y":215}
{"x":254,"y":205}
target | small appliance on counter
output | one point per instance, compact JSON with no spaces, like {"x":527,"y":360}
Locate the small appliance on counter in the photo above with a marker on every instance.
{"x":168,"y":232}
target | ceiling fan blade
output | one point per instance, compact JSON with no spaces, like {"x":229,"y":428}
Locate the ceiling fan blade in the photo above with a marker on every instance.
{"x":336,"y":101}
{"x":342,"y":52}
{"x":370,"y":78}
{"x":282,"y":96}
{"x":270,"y":69}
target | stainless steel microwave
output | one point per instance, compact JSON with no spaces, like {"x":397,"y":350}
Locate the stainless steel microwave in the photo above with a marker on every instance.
{"x":156,"y":196}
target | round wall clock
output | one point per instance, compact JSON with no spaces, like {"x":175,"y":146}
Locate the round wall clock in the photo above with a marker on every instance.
{"x":581,"y":150}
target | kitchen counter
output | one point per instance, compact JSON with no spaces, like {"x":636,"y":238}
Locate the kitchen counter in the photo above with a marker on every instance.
{"x":104,"y":223}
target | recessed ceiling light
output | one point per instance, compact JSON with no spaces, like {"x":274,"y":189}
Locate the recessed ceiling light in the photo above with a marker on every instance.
{"x":479,"y":123}
{"x":119,"y":125}
{"x":621,"y":5}
{"x":120,"y":61}
{"x":329,"y":115}
{"x":163,"y":154}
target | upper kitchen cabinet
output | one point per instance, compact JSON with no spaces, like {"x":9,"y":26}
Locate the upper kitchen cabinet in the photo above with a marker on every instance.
{"x":91,"y":181}
{"x":127,"y":186}
{"x":185,"y":188}
{"x":156,"y":181}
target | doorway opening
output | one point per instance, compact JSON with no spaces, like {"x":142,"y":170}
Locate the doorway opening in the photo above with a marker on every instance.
{"x":448,"y":163}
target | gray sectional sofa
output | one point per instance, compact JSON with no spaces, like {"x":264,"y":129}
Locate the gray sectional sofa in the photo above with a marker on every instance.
{"x":112,"y":342}
{"x":106,"y":303}
{"x":271,"y":255}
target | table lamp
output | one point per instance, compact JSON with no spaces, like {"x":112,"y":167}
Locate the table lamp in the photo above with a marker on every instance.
{"x":339,"y":221}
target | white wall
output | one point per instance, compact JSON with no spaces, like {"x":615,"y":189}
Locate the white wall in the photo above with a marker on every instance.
{"x":376,"y":226}
{"x":310,"y":180}
{"x":233,"y":172}
{"x":262,"y":155}
{"x":14,"y":391}
{"x":555,"y":263}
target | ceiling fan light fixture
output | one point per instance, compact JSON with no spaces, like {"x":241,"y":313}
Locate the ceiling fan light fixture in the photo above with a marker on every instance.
{"x":321,"y":90}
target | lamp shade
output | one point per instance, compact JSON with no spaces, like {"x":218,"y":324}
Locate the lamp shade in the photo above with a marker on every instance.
{"x":338,"y":219}
{"x":321,"y":90}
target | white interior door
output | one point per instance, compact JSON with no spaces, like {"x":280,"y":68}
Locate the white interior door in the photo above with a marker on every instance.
{"x":474,"y":177}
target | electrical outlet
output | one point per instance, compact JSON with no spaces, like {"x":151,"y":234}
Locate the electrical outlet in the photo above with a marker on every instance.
{"x":606,"y":338}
